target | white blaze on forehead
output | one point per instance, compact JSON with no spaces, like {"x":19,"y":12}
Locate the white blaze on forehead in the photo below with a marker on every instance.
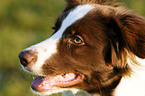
{"x":74,"y":15}
{"x":46,"y":48}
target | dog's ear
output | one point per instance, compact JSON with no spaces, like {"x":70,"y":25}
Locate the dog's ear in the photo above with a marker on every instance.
{"x":133,"y":33}
{"x":130,"y":32}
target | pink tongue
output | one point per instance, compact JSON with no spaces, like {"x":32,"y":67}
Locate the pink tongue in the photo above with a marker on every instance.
{"x":42,"y":83}
{"x":37,"y":81}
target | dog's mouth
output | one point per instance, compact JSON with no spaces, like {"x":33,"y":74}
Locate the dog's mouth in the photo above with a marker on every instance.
{"x":42,"y":84}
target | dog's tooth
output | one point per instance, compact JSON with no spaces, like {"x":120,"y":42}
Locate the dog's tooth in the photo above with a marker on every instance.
{"x":43,"y":84}
{"x":40,"y":86}
{"x":72,"y":74}
{"x":67,"y":75}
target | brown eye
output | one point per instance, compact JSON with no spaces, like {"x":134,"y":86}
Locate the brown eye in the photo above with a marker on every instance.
{"x":78,"y":40}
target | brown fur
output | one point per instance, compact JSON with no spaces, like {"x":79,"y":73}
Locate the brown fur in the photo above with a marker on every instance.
{"x":110,"y":35}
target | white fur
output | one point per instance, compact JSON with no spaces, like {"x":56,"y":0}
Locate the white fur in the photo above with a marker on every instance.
{"x":46,"y":48}
{"x":73,"y":90}
{"x":134,"y":85}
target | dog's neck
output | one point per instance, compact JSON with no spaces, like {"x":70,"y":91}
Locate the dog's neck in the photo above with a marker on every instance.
{"x":132,"y":85}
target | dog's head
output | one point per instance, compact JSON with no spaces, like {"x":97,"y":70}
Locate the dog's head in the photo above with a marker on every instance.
{"x":88,"y":49}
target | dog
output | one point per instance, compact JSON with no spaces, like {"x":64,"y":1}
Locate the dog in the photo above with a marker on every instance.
{"x":97,"y":46}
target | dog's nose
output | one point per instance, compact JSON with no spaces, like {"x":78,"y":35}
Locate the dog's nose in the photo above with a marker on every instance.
{"x":27,"y":57}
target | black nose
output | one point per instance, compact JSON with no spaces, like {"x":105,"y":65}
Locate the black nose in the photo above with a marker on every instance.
{"x":27,"y":57}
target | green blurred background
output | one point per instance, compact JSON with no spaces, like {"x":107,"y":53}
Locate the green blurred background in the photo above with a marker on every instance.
{"x":23,"y":23}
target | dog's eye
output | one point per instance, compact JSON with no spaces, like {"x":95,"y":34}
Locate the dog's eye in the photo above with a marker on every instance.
{"x":78,"y":40}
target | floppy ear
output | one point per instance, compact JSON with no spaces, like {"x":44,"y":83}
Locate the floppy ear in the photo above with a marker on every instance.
{"x":130,"y":32}
{"x":126,"y":34}
{"x":133,"y":33}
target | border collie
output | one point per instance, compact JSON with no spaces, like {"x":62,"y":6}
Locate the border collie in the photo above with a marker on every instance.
{"x":97,"y":46}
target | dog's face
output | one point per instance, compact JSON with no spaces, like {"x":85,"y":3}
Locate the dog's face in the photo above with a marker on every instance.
{"x":86,"y":51}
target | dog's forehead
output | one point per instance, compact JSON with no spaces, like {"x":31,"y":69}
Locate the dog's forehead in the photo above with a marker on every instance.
{"x":75,"y":14}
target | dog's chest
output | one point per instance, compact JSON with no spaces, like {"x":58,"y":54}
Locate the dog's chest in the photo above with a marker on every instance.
{"x":134,"y":85}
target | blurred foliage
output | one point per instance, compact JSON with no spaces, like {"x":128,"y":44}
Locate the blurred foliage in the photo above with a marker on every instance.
{"x":23,"y":23}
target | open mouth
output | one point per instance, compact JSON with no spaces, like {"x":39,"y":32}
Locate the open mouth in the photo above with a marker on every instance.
{"x":42,"y":84}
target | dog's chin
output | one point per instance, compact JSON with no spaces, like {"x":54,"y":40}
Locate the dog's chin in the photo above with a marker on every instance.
{"x":53,"y":84}
{"x":59,"y":90}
